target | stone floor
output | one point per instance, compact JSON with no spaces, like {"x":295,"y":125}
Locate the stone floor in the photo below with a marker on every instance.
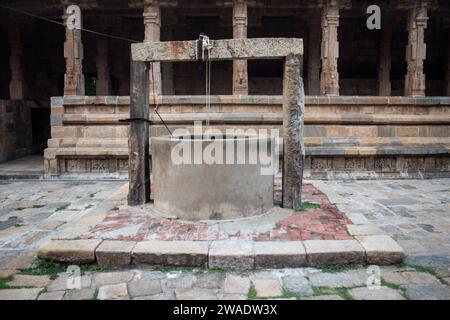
{"x":145,"y":223}
{"x":29,"y":167}
{"x":416,"y":213}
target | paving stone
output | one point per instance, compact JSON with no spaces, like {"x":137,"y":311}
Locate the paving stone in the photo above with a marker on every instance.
{"x":324,"y":297}
{"x":72,"y":251}
{"x":268,"y":287}
{"x":279,"y":254}
{"x":107,"y":278}
{"x":65,"y":282}
{"x":382,"y":293}
{"x":409,"y":277}
{"x":297,"y":284}
{"x":114,"y":254}
{"x":347,"y":279}
{"x":54,"y":295}
{"x":174,"y":253}
{"x":178,"y":280}
{"x":231,"y":254}
{"x":21,"y":260}
{"x":381,"y":250}
{"x":236,"y":284}
{"x":334,"y":251}
{"x":111,"y":292}
{"x":210,"y":280}
{"x":82,"y":294}
{"x":233,"y":296}
{"x":144,"y":288}
{"x":428,"y":292}
{"x":196,"y":294}
{"x":20,"y":294}
{"x":159,"y":296}
{"x":363,"y":229}
{"x":22,"y":280}
{"x":148,"y":275}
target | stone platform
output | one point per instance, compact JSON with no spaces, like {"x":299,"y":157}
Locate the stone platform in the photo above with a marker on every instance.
{"x":117,"y":236}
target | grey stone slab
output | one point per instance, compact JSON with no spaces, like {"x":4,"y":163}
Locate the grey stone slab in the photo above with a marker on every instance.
{"x":82,"y":294}
{"x":268,"y":288}
{"x":428,"y":292}
{"x":363,"y":229}
{"x":279,"y":254}
{"x":175,"y":253}
{"x":20,"y":294}
{"x":347,"y":279}
{"x":113,"y":292}
{"x":381,"y":249}
{"x":232,"y":254}
{"x":65,"y":282}
{"x":196,"y":294}
{"x":235,"y":284}
{"x":334,"y":251}
{"x":324,"y":297}
{"x":144,"y":288}
{"x":382,"y":293}
{"x":409,"y":277}
{"x":54,"y":295}
{"x":109,"y":278}
{"x":159,"y":296}
{"x":297,"y":284}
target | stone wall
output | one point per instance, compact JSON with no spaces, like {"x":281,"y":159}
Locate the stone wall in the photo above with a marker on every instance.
{"x":16,"y":139}
{"x":346,"y":137}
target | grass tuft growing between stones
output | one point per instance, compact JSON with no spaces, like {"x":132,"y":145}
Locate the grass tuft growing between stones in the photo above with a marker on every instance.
{"x":251,"y":295}
{"x":289,"y":294}
{"x":4,"y":282}
{"x":342,"y":292}
{"x":307,"y":205}
{"x":42,"y":267}
{"x":62,"y":207}
{"x":426,"y":269}
{"x":335,"y":268}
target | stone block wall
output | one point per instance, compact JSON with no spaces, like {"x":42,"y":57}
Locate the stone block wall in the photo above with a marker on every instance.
{"x":346,"y":136}
{"x":16,"y":138}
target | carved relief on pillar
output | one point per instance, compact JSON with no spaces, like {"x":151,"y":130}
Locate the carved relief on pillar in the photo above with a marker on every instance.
{"x":416,"y":49}
{"x":329,"y":80}
{"x":152,"y":23}
{"x":384,"y":63}
{"x":240,"y":74}
{"x":73,"y":53}
{"x":17,"y":82}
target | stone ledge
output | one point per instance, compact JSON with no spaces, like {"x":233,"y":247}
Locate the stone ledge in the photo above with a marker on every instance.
{"x":226,"y":254}
{"x":72,"y":251}
{"x":173,"y":253}
{"x":381,"y":249}
{"x":114,"y":254}
{"x":333,"y":252}
{"x":260,"y":99}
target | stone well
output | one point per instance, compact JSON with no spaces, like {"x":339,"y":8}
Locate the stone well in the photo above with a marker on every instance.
{"x":212,"y":177}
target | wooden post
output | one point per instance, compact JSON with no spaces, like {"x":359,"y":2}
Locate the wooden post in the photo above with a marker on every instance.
{"x":138,"y":139}
{"x":293,"y":115}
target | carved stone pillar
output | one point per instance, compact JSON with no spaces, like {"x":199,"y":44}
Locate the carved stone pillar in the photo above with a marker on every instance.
{"x":384,"y":63}
{"x":240,"y":74}
{"x":313,"y":51}
{"x":152,"y":22}
{"x":416,"y":50}
{"x":103,"y":68}
{"x":73,"y":53}
{"x":17,"y":82}
{"x":329,"y":79}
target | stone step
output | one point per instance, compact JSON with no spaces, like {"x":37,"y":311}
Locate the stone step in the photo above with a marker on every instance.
{"x":226,"y":254}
